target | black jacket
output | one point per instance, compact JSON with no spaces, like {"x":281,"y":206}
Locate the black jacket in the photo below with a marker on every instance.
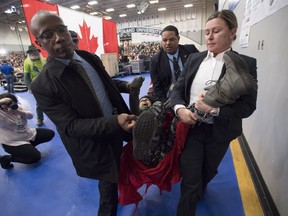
{"x":94,"y":142}
{"x":160,"y":70}
{"x":228,"y":125}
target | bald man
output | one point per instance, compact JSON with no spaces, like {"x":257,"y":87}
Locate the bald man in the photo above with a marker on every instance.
{"x":90,"y":114}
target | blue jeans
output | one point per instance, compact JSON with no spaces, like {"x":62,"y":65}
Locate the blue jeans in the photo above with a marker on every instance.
{"x":10,"y":83}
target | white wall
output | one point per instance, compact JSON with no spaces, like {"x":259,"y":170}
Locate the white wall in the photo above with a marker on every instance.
{"x":266,"y":130}
{"x":190,"y":23}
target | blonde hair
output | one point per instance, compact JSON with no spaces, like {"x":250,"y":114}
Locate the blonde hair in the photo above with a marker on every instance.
{"x":228,"y":17}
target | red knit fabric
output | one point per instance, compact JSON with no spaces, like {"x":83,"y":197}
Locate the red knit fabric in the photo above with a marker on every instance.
{"x":134,"y":174}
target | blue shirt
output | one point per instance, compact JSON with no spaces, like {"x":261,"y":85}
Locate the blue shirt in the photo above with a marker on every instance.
{"x":170,"y":57}
{"x":6,"y":69}
{"x":96,"y":81}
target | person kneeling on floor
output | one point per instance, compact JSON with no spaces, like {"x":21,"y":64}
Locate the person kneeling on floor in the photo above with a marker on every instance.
{"x":17,"y":138}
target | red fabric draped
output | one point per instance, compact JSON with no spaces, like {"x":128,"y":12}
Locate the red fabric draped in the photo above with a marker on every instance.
{"x":110,"y":37}
{"x":134,"y":174}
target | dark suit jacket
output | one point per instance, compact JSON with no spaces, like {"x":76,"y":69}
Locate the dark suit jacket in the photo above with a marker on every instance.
{"x":160,"y":70}
{"x":94,"y":142}
{"x":228,"y":125}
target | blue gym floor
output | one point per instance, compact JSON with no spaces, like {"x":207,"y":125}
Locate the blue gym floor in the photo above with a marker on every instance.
{"x":52,"y":188}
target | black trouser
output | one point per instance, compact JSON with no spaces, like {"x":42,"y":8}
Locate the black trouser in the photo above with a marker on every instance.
{"x":27,"y":153}
{"x":108,"y":198}
{"x":199,"y":161}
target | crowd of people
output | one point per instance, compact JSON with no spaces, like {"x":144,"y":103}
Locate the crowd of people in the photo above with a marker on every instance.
{"x":11,"y":67}
{"x":138,"y":51}
{"x":209,"y":92}
{"x":15,"y":59}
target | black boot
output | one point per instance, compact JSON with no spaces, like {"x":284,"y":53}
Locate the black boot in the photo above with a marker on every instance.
{"x":237,"y":81}
{"x":5,"y":162}
{"x":148,"y":135}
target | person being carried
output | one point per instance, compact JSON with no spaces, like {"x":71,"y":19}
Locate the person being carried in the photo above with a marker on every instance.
{"x":145,"y":102}
{"x":17,"y":138}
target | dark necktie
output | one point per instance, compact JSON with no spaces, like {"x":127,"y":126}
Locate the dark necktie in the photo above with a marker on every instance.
{"x":176,"y":67}
{"x":78,"y":67}
{"x":100,"y":94}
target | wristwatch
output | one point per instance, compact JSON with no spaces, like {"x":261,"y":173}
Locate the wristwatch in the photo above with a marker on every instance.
{"x":215,"y":111}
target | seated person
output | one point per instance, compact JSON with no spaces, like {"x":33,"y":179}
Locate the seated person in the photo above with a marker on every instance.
{"x":17,"y":138}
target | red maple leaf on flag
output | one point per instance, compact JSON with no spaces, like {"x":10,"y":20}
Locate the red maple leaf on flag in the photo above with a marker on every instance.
{"x":85,"y":43}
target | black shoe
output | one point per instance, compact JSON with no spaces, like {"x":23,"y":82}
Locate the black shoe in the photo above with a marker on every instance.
{"x":136,"y":84}
{"x":143,"y":132}
{"x":5,"y":162}
{"x":148,"y":135}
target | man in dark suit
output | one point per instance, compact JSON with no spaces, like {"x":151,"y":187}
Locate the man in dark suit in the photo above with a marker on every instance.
{"x":91,"y":117}
{"x":168,"y":63}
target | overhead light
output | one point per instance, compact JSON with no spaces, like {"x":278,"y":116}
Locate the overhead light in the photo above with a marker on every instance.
{"x":153,"y":2}
{"x":107,"y":17}
{"x":110,"y":9}
{"x":3,"y":51}
{"x":92,"y":2}
{"x":143,"y":7}
{"x":188,"y":5}
{"x":161,"y":9}
{"x":94,"y":13}
{"x":75,"y":7}
{"x":8,"y":11}
{"x":11,"y":10}
{"x":122,"y":15}
{"x":131,"y":6}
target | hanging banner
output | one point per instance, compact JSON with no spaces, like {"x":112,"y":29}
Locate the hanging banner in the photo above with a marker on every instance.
{"x":110,"y":37}
{"x":30,"y":7}
{"x":89,"y":28}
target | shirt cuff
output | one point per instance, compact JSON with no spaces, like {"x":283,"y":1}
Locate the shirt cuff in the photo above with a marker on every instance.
{"x":176,"y":107}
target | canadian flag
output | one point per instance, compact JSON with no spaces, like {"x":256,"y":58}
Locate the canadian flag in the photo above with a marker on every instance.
{"x":90,"y":29}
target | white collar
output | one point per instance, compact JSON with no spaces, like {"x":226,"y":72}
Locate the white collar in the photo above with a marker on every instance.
{"x":218,"y":57}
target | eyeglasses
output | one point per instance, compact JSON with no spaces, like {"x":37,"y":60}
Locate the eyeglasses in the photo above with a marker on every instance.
{"x":48,"y":35}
